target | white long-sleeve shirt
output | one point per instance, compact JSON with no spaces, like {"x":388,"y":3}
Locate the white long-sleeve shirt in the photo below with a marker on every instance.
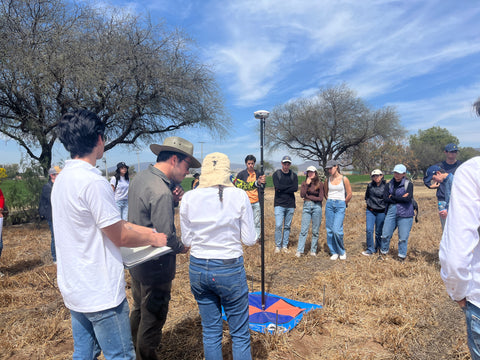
{"x":459,"y":249}
{"x":215,"y":229}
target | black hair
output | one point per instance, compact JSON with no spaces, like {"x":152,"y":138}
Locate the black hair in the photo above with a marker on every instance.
{"x":165,"y":155}
{"x":220,"y":192}
{"x":78,"y":131}
{"x":250,"y":157}
{"x":117,"y":176}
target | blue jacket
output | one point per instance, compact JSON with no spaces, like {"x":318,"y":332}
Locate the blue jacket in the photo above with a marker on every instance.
{"x":394,"y":195}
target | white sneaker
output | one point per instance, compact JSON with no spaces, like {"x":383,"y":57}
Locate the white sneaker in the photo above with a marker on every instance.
{"x":343,"y":257}
{"x":285,"y":250}
{"x":298,"y":254}
{"x":334,"y":257}
{"x":313,"y":254}
{"x":277,"y":250}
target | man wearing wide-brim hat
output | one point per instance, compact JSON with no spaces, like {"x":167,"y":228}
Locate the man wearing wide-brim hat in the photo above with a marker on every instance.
{"x":152,"y":196}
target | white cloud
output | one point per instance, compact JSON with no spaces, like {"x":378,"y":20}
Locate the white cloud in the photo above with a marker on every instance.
{"x":450,"y":110}
{"x":374,"y":45}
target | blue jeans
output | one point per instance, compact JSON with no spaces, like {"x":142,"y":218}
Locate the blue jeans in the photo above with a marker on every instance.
{"x":392,"y":221}
{"x":52,"y":241}
{"x":375,"y":222}
{"x":334,"y":215}
{"x":123,"y":207}
{"x":108,"y":330}
{"x":256,"y":217}
{"x":283,"y":221}
{"x":472,"y":316}
{"x":216,"y":283}
{"x":312,"y":212}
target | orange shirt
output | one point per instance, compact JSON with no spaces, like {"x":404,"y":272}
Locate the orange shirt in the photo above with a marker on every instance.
{"x":252,"y":194}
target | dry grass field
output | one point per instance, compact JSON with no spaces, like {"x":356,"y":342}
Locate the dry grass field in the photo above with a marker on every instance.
{"x":372,"y":309}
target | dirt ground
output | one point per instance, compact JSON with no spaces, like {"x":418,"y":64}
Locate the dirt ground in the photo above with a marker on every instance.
{"x":371,"y":309}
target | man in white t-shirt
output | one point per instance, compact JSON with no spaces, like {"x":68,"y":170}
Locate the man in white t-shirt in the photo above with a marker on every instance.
{"x":88,"y":233}
{"x":460,"y":250}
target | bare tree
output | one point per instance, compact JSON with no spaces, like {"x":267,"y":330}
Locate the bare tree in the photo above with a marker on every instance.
{"x":142,"y":80}
{"x":330,"y":125}
{"x":382,"y":154}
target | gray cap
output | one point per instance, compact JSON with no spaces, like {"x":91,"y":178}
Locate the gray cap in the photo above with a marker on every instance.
{"x":331,"y":163}
{"x":53,"y":170}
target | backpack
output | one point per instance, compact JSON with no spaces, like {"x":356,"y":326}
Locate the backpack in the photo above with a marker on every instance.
{"x":279,"y":176}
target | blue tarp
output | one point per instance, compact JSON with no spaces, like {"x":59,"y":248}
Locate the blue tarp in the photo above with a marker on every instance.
{"x":280,"y":315}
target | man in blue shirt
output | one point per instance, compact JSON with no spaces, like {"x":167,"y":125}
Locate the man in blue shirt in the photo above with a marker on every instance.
{"x":440,"y":176}
{"x":450,"y":164}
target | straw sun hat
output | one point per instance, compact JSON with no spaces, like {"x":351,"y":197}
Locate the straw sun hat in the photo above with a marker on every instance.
{"x":215,"y":170}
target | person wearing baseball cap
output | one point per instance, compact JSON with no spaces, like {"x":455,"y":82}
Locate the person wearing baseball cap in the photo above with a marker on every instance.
{"x":285,"y":182}
{"x":338,"y":193}
{"x":152,"y":196}
{"x":459,"y":248}
{"x":450,"y":164}
{"x":440,"y":176}
{"x":311,"y":191}
{"x":398,"y":197}
{"x":375,"y":212}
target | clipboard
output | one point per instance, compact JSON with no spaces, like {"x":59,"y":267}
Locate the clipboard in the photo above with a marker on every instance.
{"x":138,"y":255}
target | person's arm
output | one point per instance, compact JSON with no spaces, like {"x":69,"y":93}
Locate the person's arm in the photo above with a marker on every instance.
{"x":386,"y":194}
{"x":448,"y":190}
{"x":459,"y":250}
{"x":177,"y":194}
{"x":303,"y":189}
{"x":321,"y":193}
{"x":348,"y":189}
{"x":325,"y":189}
{"x":290,"y":187}
{"x":295,"y":183}
{"x":247,"y":224}
{"x":367,"y":191}
{"x":100,"y":201}
{"x":407,"y":197}
{"x":126,"y":234}
{"x":163,"y":219}
{"x":113,"y":181}
{"x":185,"y":227}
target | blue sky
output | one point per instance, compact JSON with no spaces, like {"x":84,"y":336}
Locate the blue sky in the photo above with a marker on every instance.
{"x":423,"y":57}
